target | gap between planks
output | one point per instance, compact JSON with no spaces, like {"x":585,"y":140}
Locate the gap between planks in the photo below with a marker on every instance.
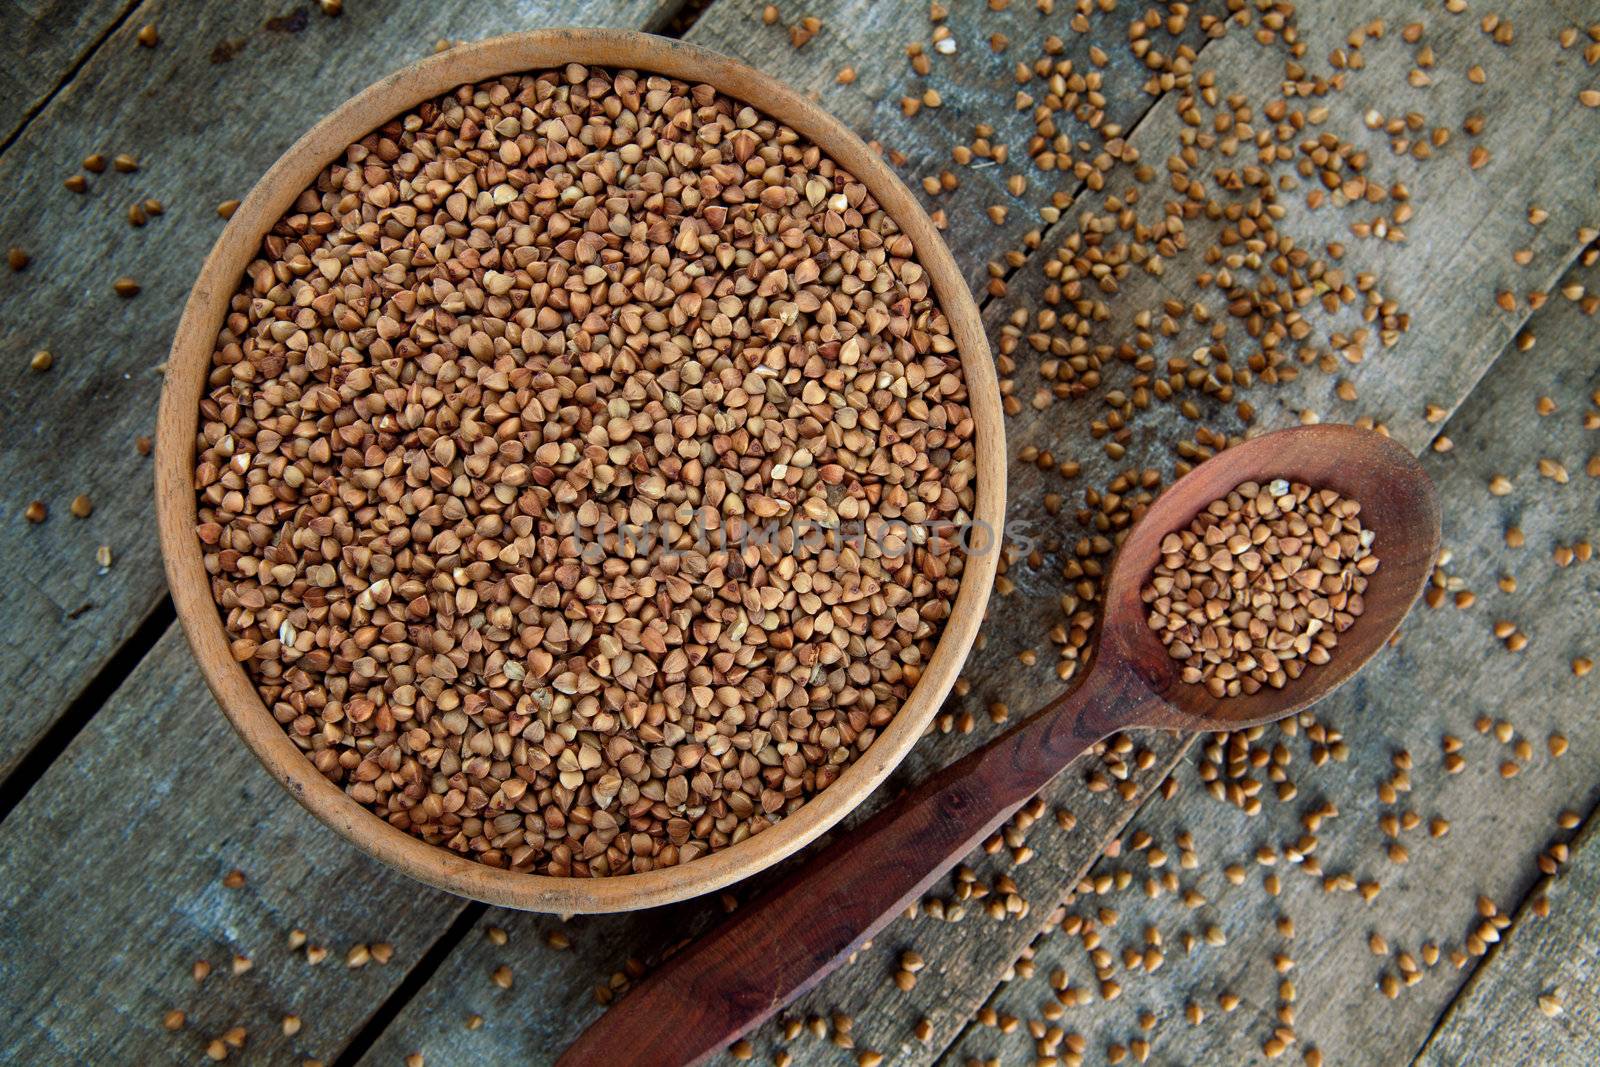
{"x":1073,"y":877}
{"x":1582,"y":838}
{"x":1482,"y":964}
{"x":417,"y":977}
{"x":38,"y":106}
{"x":88,"y":703}
{"x":677,"y":22}
{"x":1064,"y":218}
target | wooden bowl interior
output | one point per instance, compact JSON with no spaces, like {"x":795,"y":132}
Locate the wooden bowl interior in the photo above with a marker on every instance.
{"x":179,"y":417}
{"x":1398,"y":502}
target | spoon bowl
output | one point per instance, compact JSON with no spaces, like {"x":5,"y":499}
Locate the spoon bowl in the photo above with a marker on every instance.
{"x":1398,"y":503}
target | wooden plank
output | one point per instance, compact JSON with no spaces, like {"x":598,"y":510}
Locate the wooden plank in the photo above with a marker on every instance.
{"x":1537,"y":999}
{"x":966,"y":959}
{"x":112,"y":884}
{"x":203,"y":129}
{"x":463,"y":1015}
{"x":45,"y":40}
{"x":1447,"y":671}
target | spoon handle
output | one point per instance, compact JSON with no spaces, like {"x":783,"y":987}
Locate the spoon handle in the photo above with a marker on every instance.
{"x":788,"y":939}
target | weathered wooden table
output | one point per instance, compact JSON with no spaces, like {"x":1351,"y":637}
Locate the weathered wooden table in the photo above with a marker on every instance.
{"x":1407,"y":873}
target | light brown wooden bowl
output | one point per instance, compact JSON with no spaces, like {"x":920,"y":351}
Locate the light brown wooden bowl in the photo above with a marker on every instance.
{"x":179,"y":421}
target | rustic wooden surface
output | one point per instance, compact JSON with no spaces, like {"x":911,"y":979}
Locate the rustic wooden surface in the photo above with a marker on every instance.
{"x":1447,"y":670}
{"x":976,"y":85}
{"x":1541,"y":999}
{"x":47,"y":40}
{"x":156,"y":858}
{"x":117,"y":859}
{"x":1394,"y":385}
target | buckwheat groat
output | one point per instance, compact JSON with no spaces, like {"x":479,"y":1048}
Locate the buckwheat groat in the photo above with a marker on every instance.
{"x":1260,"y":585}
{"x":579,"y":469}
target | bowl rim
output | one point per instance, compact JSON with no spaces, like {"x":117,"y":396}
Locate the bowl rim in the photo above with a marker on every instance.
{"x":178,"y":423}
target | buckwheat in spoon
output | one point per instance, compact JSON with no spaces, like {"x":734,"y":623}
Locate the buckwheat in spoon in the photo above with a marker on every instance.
{"x":1253,"y":587}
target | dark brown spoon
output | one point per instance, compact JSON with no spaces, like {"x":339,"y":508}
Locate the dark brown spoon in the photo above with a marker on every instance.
{"x":787,"y":940}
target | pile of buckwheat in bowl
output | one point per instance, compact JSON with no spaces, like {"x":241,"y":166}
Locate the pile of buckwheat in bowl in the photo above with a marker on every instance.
{"x":577,"y":469}
{"x":1258,"y":587}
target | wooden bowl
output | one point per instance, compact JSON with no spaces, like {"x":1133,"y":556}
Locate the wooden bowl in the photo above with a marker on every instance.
{"x":179,"y":420}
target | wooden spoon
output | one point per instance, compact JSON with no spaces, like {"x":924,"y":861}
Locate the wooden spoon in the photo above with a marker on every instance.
{"x":785,"y":941}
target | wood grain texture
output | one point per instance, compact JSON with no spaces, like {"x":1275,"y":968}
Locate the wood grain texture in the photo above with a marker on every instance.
{"x":1458,"y":247}
{"x":1499,"y":1017}
{"x":45,"y":40}
{"x":1431,"y":363}
{"x":1456,"y":332}
{"x":203,"y":131}
{"x":1453,"y":338}
{"x":111,"y":889}
{"x":1447,"y":671}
